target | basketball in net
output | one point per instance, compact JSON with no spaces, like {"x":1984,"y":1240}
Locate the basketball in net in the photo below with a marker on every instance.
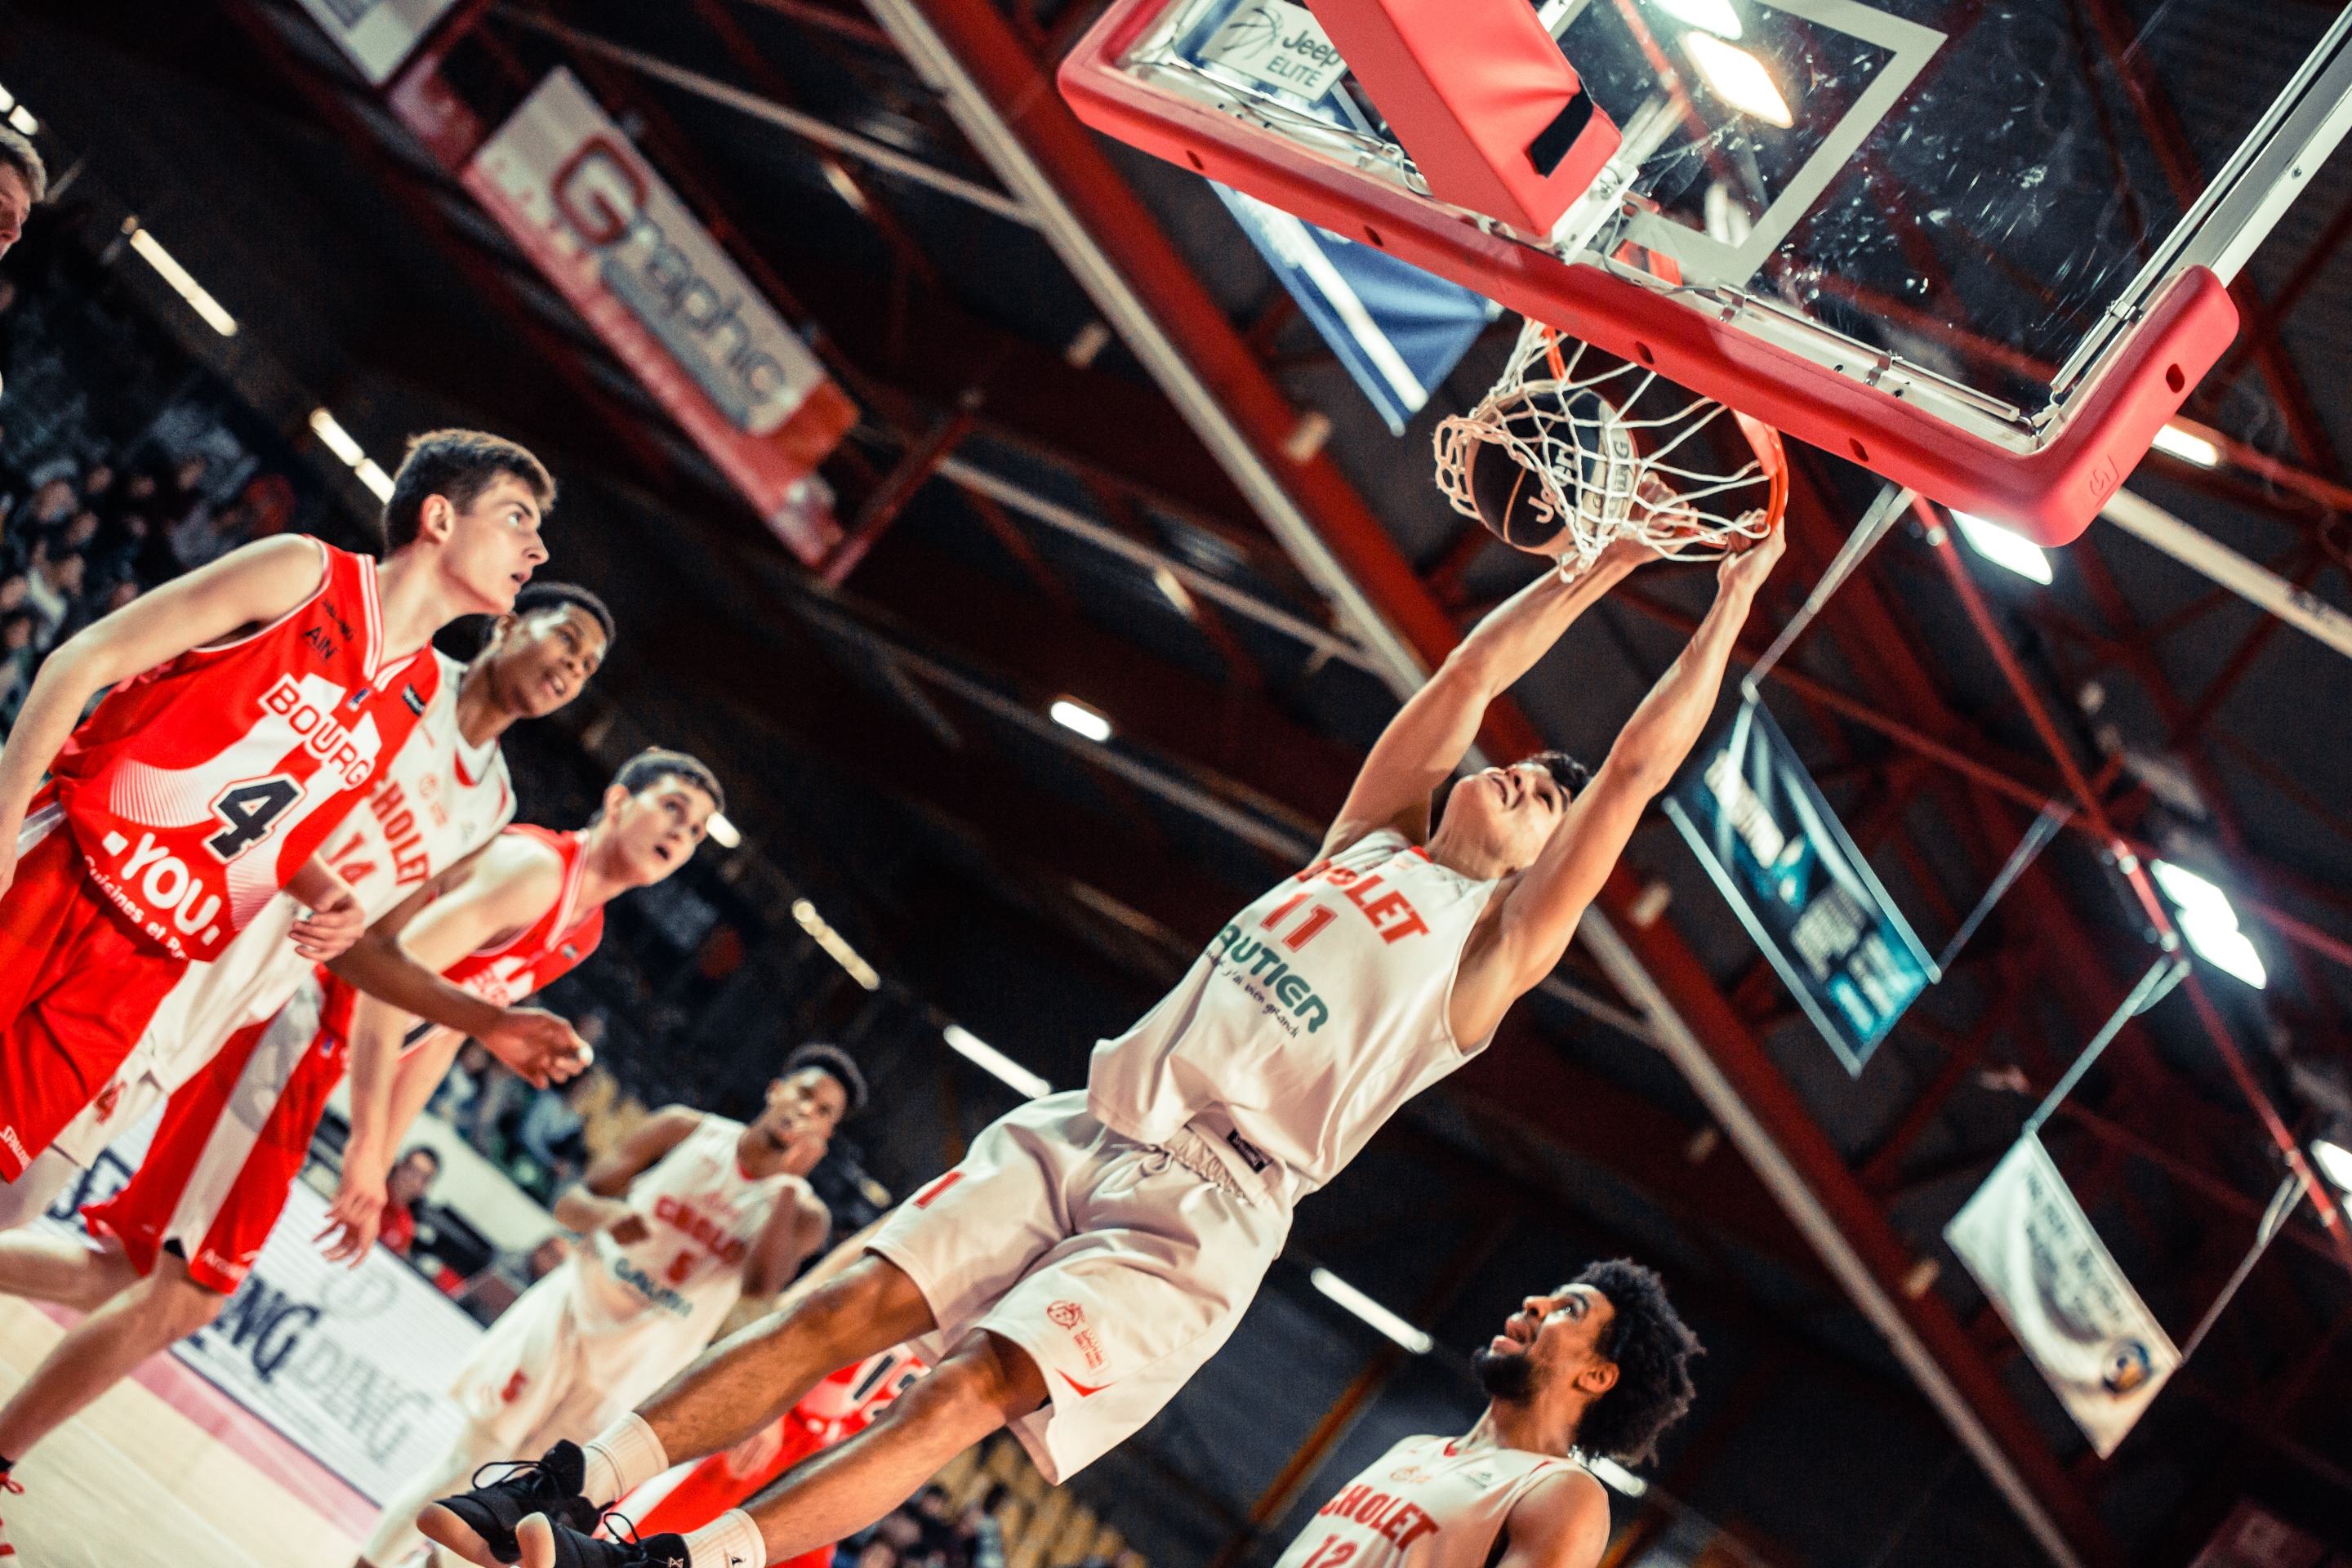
{"x":1573,"y":449}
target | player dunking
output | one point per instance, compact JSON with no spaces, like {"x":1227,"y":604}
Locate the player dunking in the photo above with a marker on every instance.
{"x":1599,"y":1367}
{"x":257,"y":698}
{"x":1094,"y":1250}
{"x":179,"y":1238}
{"x":690,"y":1211}
{"x":445,"y":794}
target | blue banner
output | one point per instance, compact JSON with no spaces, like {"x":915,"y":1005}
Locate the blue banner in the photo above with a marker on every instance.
{"x":1398,"y":330}
{"x":1807,"y":895}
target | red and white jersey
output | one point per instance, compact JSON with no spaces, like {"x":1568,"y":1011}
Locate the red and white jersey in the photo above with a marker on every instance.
{"x":506,"y":971}
{"x":439,"y":801}
{"x":1314,"y":1015}
{"x":676,"y":1283}
{"x":1432,"y":1502}
{"x":197,"y":788}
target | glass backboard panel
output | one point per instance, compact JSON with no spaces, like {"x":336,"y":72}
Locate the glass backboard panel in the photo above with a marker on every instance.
{"x":1981,"y":193}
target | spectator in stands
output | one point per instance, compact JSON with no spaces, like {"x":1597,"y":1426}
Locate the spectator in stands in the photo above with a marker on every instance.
{"x":553,"y":1131}
{"x":18,"y":659}
{"x":404,"y":1186}
{"x":981,"y":1536}
{"x":44,"y":598}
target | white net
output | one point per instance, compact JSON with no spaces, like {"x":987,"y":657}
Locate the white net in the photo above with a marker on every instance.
{"x":1573,"y":449}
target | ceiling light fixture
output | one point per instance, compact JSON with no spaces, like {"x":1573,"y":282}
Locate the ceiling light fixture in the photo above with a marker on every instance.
{"x":1739,"y":79}
{"x":972,"y":1049}
{"x":2174,"y":442}
{"x":1371,"y":1311}
{"x":825,"y":937}
{"x":1072,"y":714}
{"x":182,"y":282}
{"x":722,"y":832}
{"x":2210,"y":923}
{"x":2003,"y":547}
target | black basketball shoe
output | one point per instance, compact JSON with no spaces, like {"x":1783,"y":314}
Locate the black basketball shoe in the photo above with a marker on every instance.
{"x":479,"y":1525}
{"x":579,"y":1548}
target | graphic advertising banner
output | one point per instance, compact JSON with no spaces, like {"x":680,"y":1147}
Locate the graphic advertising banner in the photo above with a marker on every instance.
{"x":353,"y":1364}
{"x":1399,"y":330}
{"x":593,"y":215}
{"x":377,"y":34}
{"x":2034,"y":1251}
{"x":1764,"y":833}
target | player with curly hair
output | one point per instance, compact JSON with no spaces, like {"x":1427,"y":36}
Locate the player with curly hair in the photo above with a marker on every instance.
{"x":1599,"y":1368}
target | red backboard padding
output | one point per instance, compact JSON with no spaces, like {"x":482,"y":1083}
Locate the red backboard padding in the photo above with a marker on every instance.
{"x":1470,"y":86}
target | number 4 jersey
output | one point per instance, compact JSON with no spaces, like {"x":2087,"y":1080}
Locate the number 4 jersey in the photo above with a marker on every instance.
{"x":197,"y":789}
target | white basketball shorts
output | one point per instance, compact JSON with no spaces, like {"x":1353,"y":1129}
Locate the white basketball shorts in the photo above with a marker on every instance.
{"x":537,"y":1378}
{"x":1118,"y":1267}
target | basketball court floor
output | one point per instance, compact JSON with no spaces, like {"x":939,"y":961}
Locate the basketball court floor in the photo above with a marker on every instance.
{"x":165,"y":1468}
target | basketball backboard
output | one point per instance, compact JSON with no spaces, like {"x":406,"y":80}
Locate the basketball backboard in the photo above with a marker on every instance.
{"x":1967,"y":244}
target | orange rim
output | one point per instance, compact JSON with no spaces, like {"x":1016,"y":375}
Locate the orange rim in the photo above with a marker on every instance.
{"x":1774,"y":458}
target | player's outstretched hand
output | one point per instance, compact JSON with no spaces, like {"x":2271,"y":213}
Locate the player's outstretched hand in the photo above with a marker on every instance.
{"x":353,"y":1218}
{"x":1744,"y":572}
{"x":329,"y":931}
{"x":539,"y":1045}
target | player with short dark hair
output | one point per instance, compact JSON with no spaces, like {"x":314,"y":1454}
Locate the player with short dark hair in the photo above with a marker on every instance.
{"x":253,"y":702}
{"x":457,"y":466}
{"x":689,"y":1213}
{"x":1598,"y":1368}
{"x":1093,"y":1249}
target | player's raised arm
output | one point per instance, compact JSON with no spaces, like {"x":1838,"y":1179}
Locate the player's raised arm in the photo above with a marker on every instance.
{"x":796,"y":1228}
{"x":597,"y":1200}
{"x":535,"y":1043}
{"x":1436,"y":727}
{"x":250,"y":587}
{"x":1542,"y":908}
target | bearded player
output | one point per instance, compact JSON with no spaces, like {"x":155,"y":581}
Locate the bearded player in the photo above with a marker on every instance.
{"x":179,"y":1240}
{"x":445,"y":794}
{"x":254,"y":701}
{"x":690,"y":1211}
{"x":1094,"y":1250}
{"x":1599,"y":1369}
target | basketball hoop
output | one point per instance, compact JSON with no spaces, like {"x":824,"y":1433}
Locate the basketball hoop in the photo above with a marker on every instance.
{"x":1601,"y":450}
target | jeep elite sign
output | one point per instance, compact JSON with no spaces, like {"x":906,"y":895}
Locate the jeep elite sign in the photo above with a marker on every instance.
{"x":591,"y":214}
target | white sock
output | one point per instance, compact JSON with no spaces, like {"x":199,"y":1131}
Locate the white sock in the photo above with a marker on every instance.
{"x":730,"y":1541}
{"x":625,"y":1453}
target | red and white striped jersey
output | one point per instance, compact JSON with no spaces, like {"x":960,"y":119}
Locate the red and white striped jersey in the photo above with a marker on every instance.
{"x":551,"y":946}
{"x":1314,"y":1015}
{"x":199,"y":788}
{"x":1430,"y":1502}
{"x":436,"y":801}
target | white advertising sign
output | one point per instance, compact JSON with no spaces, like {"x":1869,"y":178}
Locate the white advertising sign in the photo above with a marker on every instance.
{"x":2034,"y":1251}
{"x":377,"y":34}
{"x":568,"y":185}
{"x":353,"y":1364}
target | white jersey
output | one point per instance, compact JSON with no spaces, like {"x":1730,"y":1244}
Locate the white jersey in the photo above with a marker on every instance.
{"x":439,"y":801}
{"x":679,"y":1282}
{"x":1428,"y":1502}
{"x":1314,"y":1015}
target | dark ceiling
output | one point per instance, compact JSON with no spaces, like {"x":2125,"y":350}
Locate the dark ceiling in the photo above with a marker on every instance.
{"x":1046,"y":526}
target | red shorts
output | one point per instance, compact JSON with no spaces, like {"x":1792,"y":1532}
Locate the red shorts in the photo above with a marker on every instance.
{"x":232,"y":1141}
{"x":78,"y":986}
